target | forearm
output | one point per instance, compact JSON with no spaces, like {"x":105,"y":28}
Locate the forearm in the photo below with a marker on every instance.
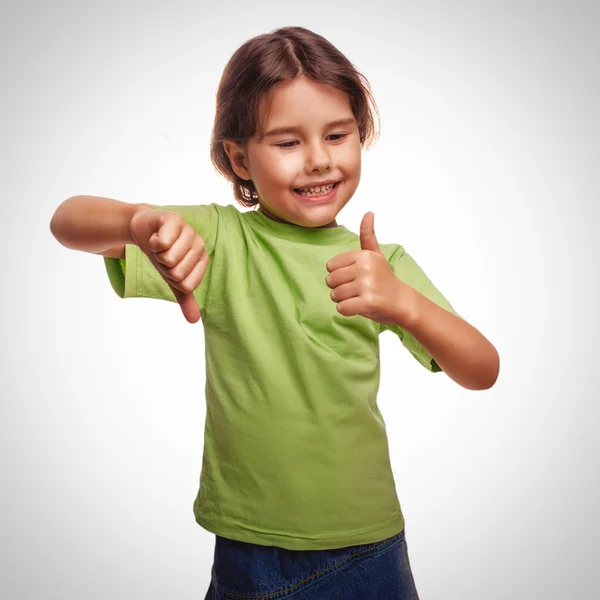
{"x":462,"y":352}
{"x":92,"y":223}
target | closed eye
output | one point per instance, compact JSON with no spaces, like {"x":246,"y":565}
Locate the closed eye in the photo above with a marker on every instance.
{"x":336,"y":135}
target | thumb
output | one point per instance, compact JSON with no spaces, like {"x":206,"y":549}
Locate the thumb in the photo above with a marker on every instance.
{"x":368,"y":241}
{"x":188,"y":305}
{"x":186,"y":301}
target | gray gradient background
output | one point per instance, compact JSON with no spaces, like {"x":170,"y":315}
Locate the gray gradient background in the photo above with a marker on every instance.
{"x":487,"y":173}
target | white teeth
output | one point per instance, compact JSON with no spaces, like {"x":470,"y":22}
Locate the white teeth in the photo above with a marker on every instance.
{"x":317,"y":190}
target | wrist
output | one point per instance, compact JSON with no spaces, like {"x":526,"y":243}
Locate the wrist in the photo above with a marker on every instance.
{"x":136,"y":209}
{"x":408,"y":306}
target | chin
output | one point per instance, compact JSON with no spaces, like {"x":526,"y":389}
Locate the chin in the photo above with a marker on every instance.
{"x":308,"y":216}
{"x":316,"y":223}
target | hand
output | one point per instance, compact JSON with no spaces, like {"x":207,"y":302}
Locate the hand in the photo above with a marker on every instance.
{"x":176,"y":251}
{"x":364,"y":284}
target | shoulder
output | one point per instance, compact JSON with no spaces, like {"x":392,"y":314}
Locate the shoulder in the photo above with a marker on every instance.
{"x":204,"y":217}
{"x":392,"y":252}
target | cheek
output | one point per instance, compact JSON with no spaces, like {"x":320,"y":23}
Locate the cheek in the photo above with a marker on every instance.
{"x":272,"y":169}
{"x":352,"y":157}
{"x":356,"y":166}
{"x":284,"y":169}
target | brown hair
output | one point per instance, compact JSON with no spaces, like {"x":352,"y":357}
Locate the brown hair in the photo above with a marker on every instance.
{"x":256,"y":68}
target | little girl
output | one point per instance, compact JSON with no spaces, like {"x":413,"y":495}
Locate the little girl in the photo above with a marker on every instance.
{"x":296,"y":482}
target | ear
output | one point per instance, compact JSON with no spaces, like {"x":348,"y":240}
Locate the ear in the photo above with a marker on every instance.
{"x":237,"y":158}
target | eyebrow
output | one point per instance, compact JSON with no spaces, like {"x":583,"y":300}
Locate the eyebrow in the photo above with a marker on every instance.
{"x":291,"y":128}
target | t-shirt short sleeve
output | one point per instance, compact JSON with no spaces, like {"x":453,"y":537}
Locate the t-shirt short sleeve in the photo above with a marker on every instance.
{"x":136,"y":277}
{"x":406,"y":269}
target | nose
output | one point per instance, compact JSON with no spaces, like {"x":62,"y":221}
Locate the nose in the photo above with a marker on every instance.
{"x":318,"y":158}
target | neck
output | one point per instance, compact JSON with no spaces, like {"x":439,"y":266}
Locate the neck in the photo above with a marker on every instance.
{"x":273,"y":217}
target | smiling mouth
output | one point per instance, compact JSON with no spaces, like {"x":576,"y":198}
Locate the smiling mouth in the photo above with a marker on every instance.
{"x":298,"y":190}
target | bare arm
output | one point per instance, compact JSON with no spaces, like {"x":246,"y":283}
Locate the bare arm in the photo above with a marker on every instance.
{"x":116,"y":252}
{"x":95,"y":224}
{"x":462,"y":351}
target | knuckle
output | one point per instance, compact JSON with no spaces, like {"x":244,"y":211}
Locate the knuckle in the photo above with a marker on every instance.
{"x":167,"y":260}
{"x":176,"y":274}
{"x":188,"y":287}
{"x":366,"y":266}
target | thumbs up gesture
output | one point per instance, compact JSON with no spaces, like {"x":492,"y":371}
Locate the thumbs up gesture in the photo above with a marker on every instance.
{"x":176,"y":251}
{"x":363,"y":282}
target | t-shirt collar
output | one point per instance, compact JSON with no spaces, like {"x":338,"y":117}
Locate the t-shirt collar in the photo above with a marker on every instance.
{"x":318,"y":236}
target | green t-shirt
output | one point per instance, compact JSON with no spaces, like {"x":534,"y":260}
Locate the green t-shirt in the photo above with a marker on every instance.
{"x":295,"y":449}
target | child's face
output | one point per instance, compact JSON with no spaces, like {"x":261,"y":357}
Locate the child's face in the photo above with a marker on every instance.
{"x":315,"y":152}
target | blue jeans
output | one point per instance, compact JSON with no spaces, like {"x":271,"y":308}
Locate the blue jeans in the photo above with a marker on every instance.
{"x":380,"y":570}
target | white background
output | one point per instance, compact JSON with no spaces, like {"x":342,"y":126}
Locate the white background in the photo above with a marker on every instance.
{"x":486,"y":172}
